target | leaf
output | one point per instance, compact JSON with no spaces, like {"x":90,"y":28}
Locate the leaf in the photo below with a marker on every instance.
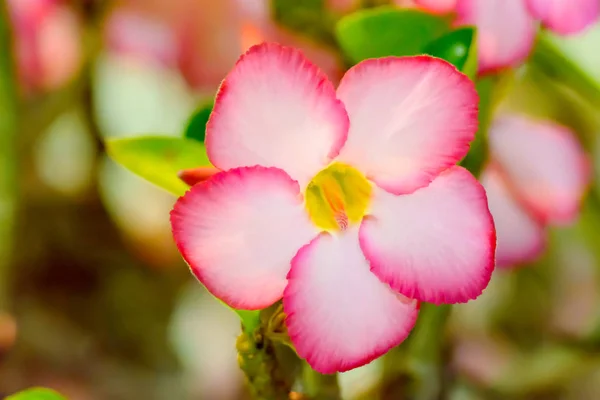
{"x":158,"y":159}
{"x":478,"y":154}
{"x":388,"y":31}
{"x":196,"y":126}
{"x":36,"y":394}
{"x":310,"y":18}
{"x":459,"y":48}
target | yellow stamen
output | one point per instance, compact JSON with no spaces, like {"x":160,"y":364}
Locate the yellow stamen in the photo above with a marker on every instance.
{"x":337,"y":196}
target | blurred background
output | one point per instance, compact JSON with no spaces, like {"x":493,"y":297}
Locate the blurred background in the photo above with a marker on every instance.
{"x":95,"y":301}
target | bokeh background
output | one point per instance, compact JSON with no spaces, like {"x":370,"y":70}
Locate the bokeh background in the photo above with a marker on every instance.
{"x":95,"y":301}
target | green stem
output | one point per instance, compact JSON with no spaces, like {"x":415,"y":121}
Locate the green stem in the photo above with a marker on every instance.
{"x":8,"y":156}
{"x":414,"y":370}
{"x":548,"y":59}
{"x":318,"y":386}
{"x":257,"y":358}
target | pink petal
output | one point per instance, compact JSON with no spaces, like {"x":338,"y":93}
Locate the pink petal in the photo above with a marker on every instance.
{"x":437,"y":6}
{"x":505,"y":31}
{"x":411,"y":118}
{"x":435,"y":245}
{"x":544,"y":163}
{"x":275,"y":108}
{"x":521,"y":237}
{"x":239,"y":231}
{"x":339,"y":315}
{"x":565,"y":16}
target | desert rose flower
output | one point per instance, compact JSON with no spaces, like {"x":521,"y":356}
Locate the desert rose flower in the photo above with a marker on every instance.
{"x":47,"y":43}
{"x":346,"y":204}
{"x":537,"y":177}
{"x":506,"y":28}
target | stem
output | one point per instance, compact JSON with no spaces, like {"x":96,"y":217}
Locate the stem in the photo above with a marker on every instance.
{"x":8,"y":156}
{"x":548,"y":59}
{"x":318,"y":386}
{"x":256,"y":357}
{"x":414,"y":371}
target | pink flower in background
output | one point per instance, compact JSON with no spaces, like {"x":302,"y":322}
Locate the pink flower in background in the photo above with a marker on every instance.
{"x":347,"y":204}
{"x":506,"y":28}
{"x":537,"y":177}
{"x":47,"y":43}
{"x":565,"y":17}
{"x":139,"y":36}
{"x":206,"y":37}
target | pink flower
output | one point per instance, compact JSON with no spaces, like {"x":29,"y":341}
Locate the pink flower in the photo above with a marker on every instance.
{"x":47,"y":46}
{"x":537,"y":177}
{"x":205,"y":37}
{"x":347,"y":204}
{"x":506,"y":28}
{"x":143,"y":37}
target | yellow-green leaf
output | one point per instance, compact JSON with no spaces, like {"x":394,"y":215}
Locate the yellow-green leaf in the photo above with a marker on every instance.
{"x":158,"y":159}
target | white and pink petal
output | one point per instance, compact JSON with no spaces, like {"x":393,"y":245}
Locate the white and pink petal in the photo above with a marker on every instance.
{"x":521,"y":237}
{"x":505,"y":31}
{"x":411,"y":118}
{"x":239,"y":231}
{"x":276,"y":109}
{"x":565,"y":17}
{"x":436,"y":244}
{"x":339,"y":315}
{"x":544,"y":163}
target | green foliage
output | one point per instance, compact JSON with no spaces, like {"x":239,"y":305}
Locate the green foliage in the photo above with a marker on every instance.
{"x":310,"y":18}
{"x":459,"y":48}
{"x":196,"y":126}
{"x":36,"y":394}
{"x":159,"y":159}
{"x":477,"y":156}
{"x":387,"y":31}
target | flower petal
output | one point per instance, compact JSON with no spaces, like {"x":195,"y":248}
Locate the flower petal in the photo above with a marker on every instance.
{"x":435,"y":245}
{"x":276,"y":109}
{"x":544,"y":163}
{"x":521,"y":237}
{"x":339,"y":315}
{"x":437,"y":6}
{"x":239,"y":231}
{"x":505,"y":31}
{"x":565,"y":16}
{"x":412,"y":117}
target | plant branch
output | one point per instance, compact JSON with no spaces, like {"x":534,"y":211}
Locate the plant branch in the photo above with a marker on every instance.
{"x":8,"y":151}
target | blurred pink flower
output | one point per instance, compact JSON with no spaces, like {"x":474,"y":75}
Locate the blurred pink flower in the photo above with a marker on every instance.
{"x":47,"y":43}
{"x":135,"y":35}
{"x":346,"y":204}
{"x":506,"y":28}
{"x":205,"y":37}
{"x":537,"y":177}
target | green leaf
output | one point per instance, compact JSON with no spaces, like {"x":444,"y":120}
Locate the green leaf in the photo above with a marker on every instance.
{"x":459,"y":48}
{"x":310,"y":18}
{"x":158,"y":159}
{"x":196,"y":126}
{"x":388,"y":31}
{"x":550,"y":60}
{"x":477,"y":156}
{"x":36,"y":394}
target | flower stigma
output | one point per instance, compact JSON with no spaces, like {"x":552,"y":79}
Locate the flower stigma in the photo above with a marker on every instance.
{"x":337,"y":196}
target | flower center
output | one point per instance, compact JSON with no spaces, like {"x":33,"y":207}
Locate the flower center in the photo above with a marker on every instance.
{"x":337,"y":196}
